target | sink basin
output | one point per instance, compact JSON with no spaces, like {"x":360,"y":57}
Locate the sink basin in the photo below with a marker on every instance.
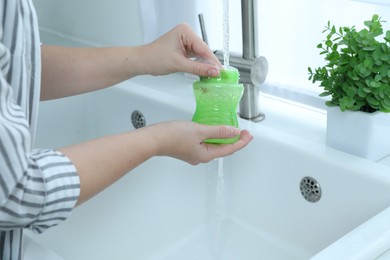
{"x":252,"y":209}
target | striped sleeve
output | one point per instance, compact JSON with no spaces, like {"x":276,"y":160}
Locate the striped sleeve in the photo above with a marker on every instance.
{"x":38,"y":187}
{"x":61,"y":188}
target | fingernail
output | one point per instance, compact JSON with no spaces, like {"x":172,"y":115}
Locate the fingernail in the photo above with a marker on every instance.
{"x":235,"y":131}
{"x":213,"y":72}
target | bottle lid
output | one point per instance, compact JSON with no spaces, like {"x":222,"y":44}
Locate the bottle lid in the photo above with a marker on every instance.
{"x":226,"y":75}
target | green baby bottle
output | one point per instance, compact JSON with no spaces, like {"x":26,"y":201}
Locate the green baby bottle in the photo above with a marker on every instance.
{"x":217,"y":100}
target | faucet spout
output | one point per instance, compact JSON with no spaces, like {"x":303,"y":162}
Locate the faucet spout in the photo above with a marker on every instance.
{"x":253,"y":68}
{"x":249,"y":104}
{"x":249,"y":29}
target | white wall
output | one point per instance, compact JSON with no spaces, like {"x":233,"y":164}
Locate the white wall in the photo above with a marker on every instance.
{"x":99,"y":22}
{"x":289,"y":30}
{"x":292,"y":30}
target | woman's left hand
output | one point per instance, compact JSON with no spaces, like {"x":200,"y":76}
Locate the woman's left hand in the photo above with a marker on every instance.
{"x":173,"y":51}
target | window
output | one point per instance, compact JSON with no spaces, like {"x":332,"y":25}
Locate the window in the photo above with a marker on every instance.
{"x":381,"y":2}
{"x":289,"y":32}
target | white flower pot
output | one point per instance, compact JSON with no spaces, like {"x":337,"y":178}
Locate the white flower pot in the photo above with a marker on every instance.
{"x":363,"y":134}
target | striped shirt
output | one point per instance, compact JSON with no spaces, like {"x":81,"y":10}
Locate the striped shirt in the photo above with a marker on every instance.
{"x":38,"y":187}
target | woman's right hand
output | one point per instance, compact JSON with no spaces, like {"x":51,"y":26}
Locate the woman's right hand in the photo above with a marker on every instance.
{"x":185,"y":140}
{"x":101,"y":162}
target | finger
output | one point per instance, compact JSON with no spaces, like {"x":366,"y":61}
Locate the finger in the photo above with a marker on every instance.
{"x":245,"y":139}
{"x":220,"y":132}
{"x":210,"y":57}
{"x":196,"y":47}
{"x":199,"y":68}
{"x":222,"y":150}
{"x":203,"y":51}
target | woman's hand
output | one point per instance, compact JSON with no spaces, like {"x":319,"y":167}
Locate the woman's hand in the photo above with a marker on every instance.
{"x":185,"y":140}
{"x":103,"y":161}
{"x":172,"y":52}
{"x":71,"y":71}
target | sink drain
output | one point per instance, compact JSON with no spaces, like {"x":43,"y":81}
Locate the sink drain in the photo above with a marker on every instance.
{"x":310,"y":189}
{"x":138,"y":119}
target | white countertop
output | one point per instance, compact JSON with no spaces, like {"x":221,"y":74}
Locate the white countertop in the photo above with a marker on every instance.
{"x":284,"y":116}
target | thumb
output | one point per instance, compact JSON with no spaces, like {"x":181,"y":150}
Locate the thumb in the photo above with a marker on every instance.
{"x":200,"y":68}
{"x":221,"y":132}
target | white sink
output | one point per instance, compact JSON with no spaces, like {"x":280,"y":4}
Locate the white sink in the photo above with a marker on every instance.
{"x":167,"y":209}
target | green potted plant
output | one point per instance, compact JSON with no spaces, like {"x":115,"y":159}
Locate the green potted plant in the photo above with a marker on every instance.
{"x":356,"y":76}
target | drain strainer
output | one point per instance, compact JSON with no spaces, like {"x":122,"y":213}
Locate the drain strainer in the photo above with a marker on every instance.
{"x":138,"y":119}
{"x":310,"y":189}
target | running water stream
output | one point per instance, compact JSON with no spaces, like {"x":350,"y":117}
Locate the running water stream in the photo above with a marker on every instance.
{"x":220,"y":189}
{"x":220,"y":213}
{"x":226,"y":33}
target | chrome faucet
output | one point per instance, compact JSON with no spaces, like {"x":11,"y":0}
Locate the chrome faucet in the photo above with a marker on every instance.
{"x":253,"y":68}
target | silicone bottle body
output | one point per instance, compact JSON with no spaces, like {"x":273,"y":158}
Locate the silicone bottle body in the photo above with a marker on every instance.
{"x":217,"y":100}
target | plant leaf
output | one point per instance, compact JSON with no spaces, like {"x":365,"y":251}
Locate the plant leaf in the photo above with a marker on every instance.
{"x":372,"y":101}
{"x":324,"y":94}
{"x":356,"y":73}
{"x":369,"y":48}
